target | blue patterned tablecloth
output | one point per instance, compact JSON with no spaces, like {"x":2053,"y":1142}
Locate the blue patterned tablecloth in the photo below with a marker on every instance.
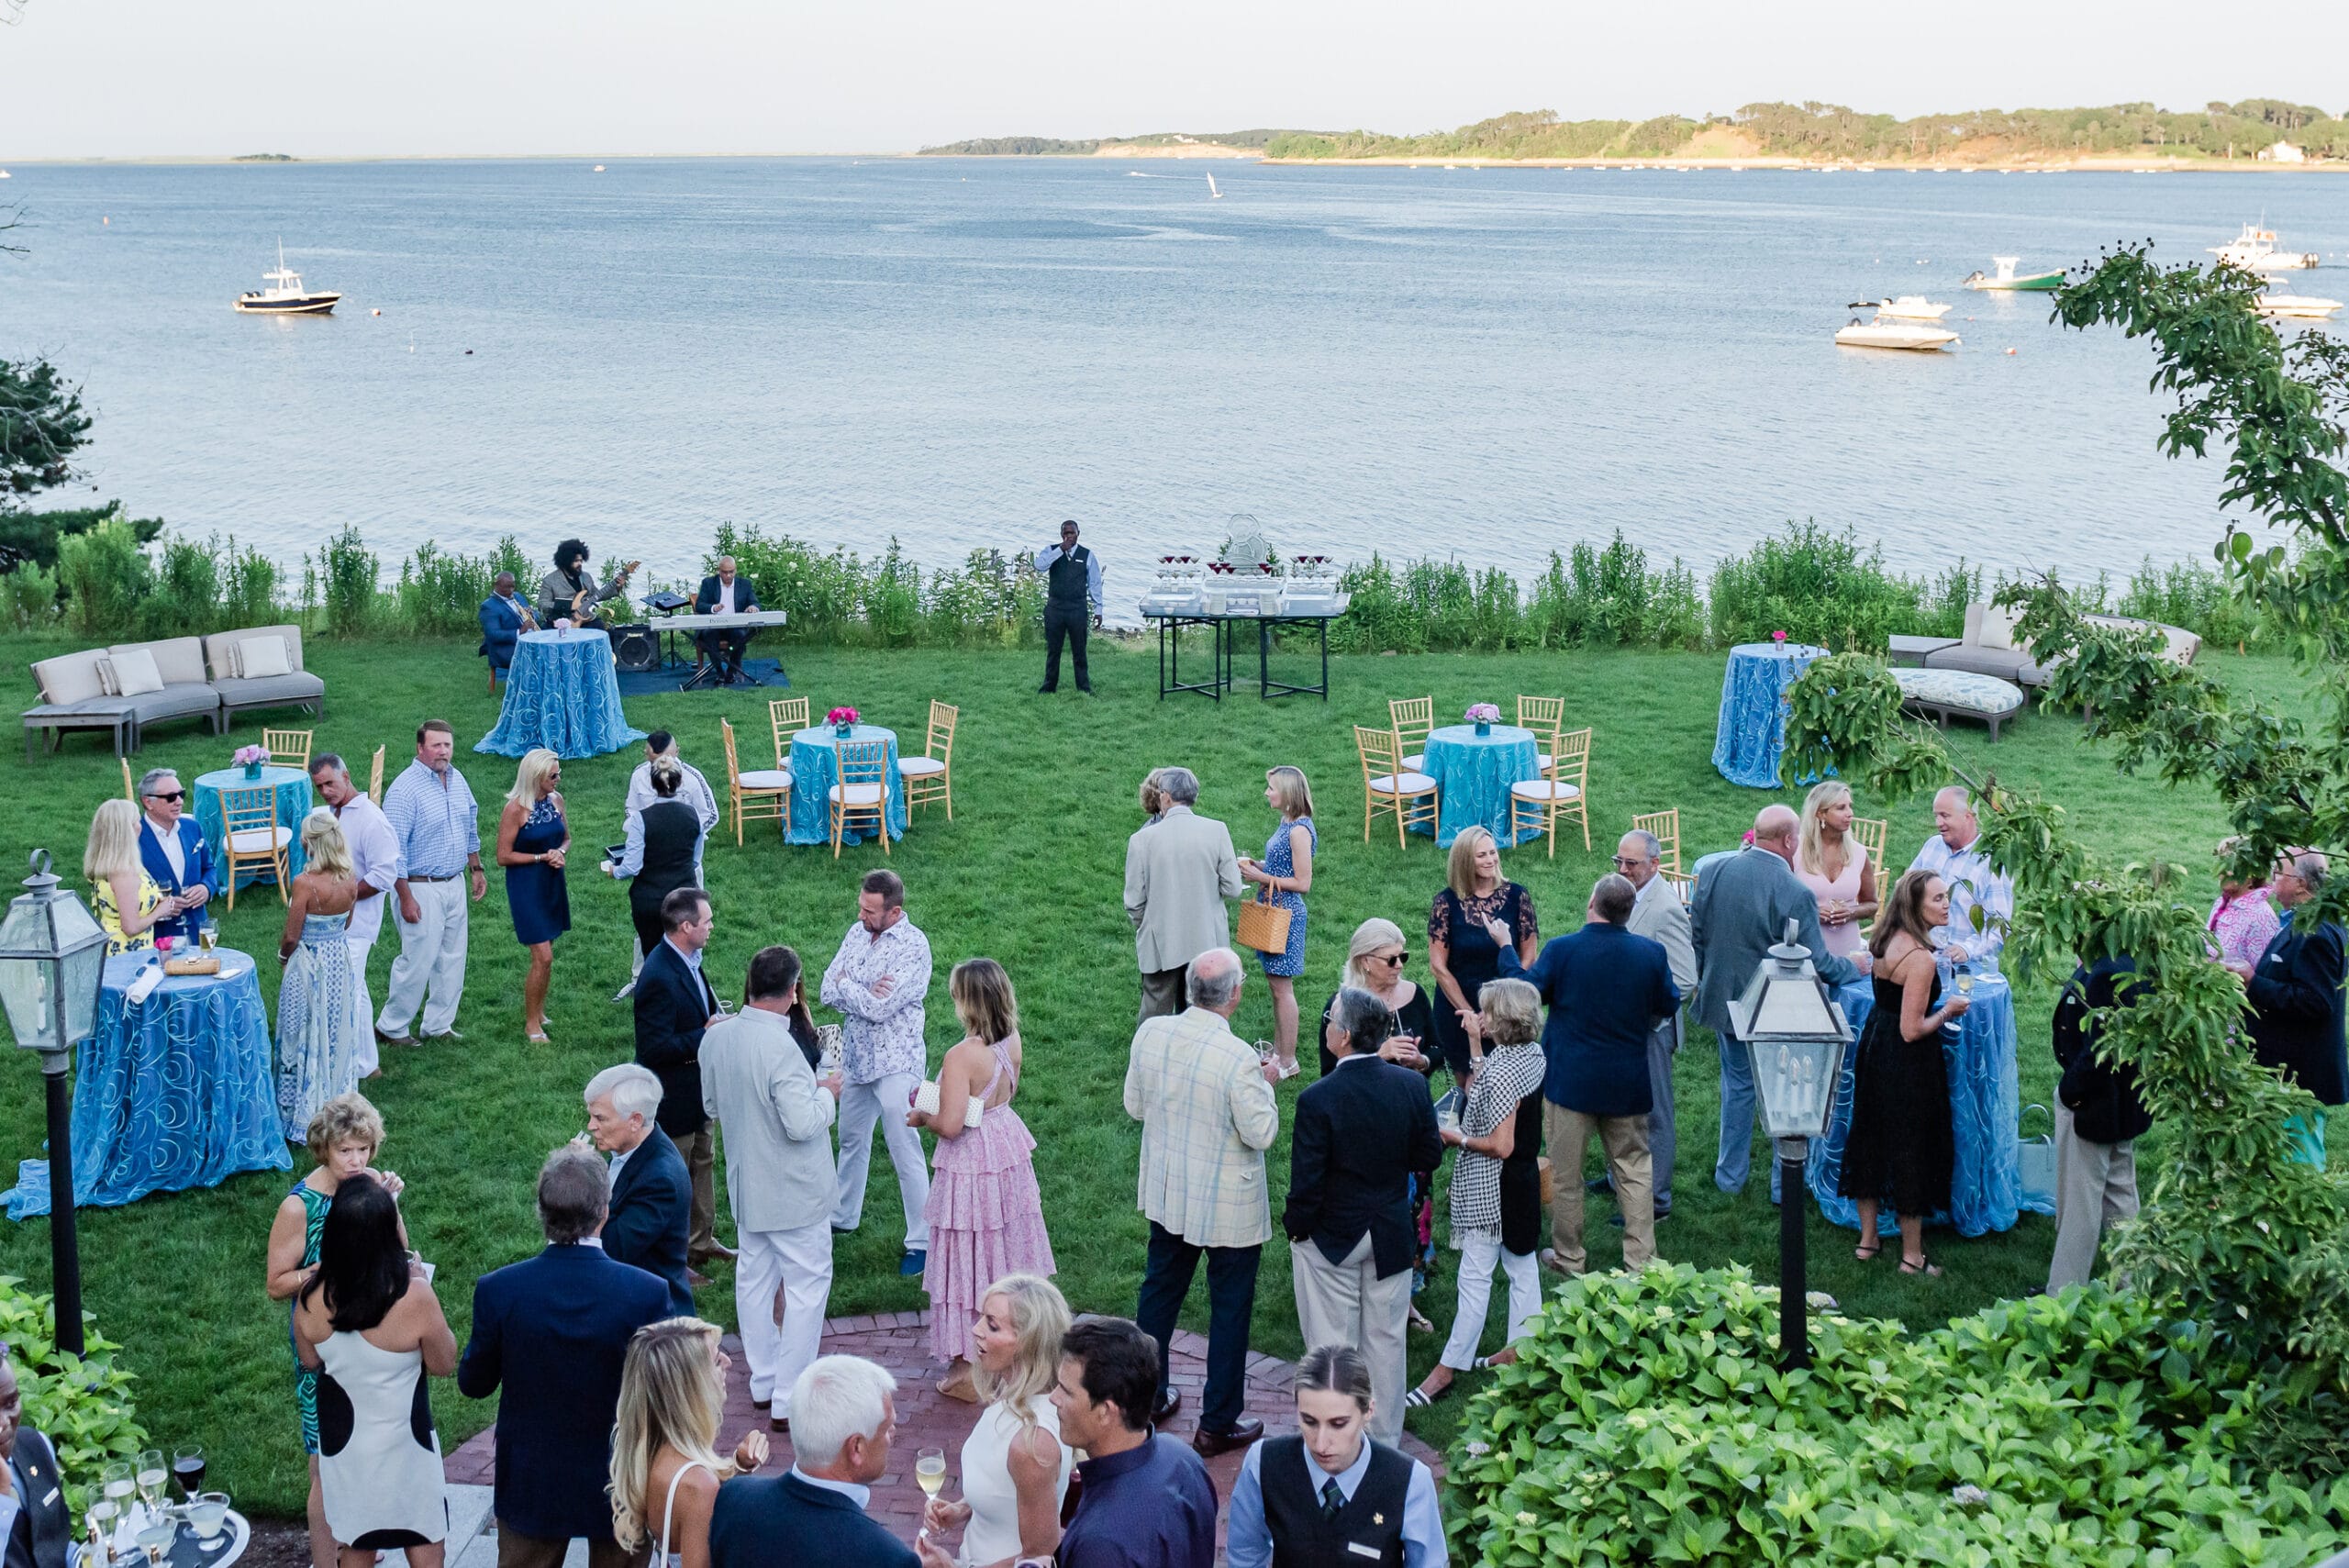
{"x":814,"y":768}
{"x":561,"y":695}
{"x":1752,"y":730}
{"x":292,"y":787}
{"x":1474,"y":772}
{"x":1986,"y":1187}
{"x":176,"y":1093}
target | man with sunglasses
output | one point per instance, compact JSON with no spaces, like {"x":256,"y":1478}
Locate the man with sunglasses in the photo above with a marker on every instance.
{"x":173,"y":850}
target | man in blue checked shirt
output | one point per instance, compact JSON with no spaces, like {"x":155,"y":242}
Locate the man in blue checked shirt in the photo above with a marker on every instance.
{"x":431,"y":810}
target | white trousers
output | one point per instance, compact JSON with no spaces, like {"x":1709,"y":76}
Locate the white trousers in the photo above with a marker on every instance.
{"x":886,"y":1101}
{"x":429,"y":973}
{"x":799,"y":1262}
{"x":1479,"y":1251}
{"x":1348,"y":1304}
{"x":362,"y":1005}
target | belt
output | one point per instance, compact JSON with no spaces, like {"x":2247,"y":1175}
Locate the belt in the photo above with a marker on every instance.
{"x":449,"y":878}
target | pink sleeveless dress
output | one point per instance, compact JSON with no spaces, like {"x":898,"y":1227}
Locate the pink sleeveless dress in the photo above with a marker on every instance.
{"x":1842,"y":941}
{"x":987,"y":1215}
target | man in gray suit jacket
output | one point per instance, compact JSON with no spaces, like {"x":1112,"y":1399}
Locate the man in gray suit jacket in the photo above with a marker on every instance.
{"x":1741,"y":909}
{"x":1661,"y":917}
{"x":777,"y":1119}
{"x":1179,"y":870}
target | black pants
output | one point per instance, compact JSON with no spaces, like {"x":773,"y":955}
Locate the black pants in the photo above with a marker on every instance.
{"x":1231,"y":1303}
{"x":1064,"y":622}
{"x":723,"y":649}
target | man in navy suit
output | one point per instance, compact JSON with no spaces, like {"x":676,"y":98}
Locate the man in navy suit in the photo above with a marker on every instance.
{"x":2296,"y":1002}
{"x":171,"y":848}
{"x":34,"y":1519}
{"x":1359,"y":1133}
{"x":1607,"y":987}
{"x":504,"y":618}
{"x":843,"y":1414}
{"x":651,"y":1202}
{"x":673,"y":1005}
{"x":553,"y":1333}
{"x":724,"y":593}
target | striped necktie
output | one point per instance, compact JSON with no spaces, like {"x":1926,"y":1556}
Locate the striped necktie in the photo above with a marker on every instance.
{"x":1334,"y":1498}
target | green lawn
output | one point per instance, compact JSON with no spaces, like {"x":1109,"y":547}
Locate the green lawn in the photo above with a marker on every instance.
{"x":1029,"y":874}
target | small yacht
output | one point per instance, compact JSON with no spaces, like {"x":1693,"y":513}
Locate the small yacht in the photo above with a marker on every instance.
{"x":2006,"y":278}
{"x":1912,"y":307}
{"x":2255,"y":252}
{"x":1885,"y":332}
{"x":2301,"y":307}
{"x":285,"y":296}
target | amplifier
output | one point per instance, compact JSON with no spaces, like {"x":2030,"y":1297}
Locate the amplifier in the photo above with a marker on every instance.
{"x":635,"y":647}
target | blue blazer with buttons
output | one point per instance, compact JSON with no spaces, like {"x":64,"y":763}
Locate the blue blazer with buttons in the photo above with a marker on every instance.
{"x":781,"y":1521}
{"x":1607,"y":987}
{"x":201,"y":871}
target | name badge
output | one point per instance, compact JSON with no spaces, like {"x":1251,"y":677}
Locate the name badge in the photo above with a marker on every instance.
{"x":51,"y":1498}
{"x":1359,"y":1550}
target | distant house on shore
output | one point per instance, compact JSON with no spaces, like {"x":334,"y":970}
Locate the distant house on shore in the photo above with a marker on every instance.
{"x":2282,"y":152}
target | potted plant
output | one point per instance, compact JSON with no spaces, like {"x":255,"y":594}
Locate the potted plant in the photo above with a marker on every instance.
{"x":1483,"y":715}
{"x":842,"y":720}
{"x":252,"y":759}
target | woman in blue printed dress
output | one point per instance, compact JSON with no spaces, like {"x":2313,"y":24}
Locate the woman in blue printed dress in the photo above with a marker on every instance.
{"x":1286,"y":874}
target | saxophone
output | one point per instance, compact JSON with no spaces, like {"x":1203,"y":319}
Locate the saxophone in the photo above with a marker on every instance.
{"x":581,"y":604}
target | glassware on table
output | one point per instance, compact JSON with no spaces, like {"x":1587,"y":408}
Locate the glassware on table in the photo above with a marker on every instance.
{"x":187,"y":1464}
{"x":150,"y":1476}
{"x":155,"y":1537}
{"x":207,"y":1513}
{"x":116,"y":1481}
{"x":208,"y":935}
{"x":1965,"y":980}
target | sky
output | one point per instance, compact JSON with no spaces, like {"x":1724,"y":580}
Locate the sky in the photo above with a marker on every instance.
{"x":179,"y":78}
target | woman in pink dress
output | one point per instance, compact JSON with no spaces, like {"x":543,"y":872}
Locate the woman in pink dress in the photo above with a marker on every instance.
{"x":1835,"y":866}
{"x":987,"y":1215}
{"x":2243,"y":921}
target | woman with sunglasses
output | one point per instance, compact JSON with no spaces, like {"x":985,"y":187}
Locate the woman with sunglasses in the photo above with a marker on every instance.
{"x":532,"y":839}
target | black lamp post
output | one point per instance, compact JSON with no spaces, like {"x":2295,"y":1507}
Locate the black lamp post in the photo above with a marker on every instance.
{"x":1796,"y":1032}
{"x":52,"y":959}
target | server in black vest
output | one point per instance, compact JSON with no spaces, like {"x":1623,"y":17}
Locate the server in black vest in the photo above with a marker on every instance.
{"x":1331,"y":1493}
{"x":34,"y":1518}
{"x":1072,"y":602}
{"x":660,"y":855}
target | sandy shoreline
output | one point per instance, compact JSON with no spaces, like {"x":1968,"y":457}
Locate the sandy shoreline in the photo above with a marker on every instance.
{"x":1220,"y":153}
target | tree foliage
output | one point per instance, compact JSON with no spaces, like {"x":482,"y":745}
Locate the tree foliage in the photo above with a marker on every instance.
{"x":42,"y":425}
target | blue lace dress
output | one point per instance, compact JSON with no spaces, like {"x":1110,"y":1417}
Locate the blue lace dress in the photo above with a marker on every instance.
{"x":318,"y":1025}
{"x":1279,"y":861}
{"x":536,"y":894}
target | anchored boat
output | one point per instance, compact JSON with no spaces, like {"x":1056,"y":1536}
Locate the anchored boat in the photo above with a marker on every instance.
{"x":285,"y":296}
{"x":1885,"y":332}
{"x":2255,"y":252}
{"x":2006,"y":278}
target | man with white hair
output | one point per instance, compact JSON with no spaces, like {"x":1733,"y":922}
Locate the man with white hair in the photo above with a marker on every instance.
{"x":1954,"y":855}
{"x":1179,"y":870}
{"x":2296,"y":1001}
{"x":1208,"y":1115}
{"x":652,"y":1193}
{"x":844,"y":1415}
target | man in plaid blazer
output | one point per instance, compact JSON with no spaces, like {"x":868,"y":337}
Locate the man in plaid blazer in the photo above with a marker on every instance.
{"x":1208,"y":1115}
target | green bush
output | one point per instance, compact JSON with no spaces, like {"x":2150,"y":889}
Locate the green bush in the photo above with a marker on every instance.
{"x":106,"y":578}
{"x":1648,"y":1421}
{"x":31,"y":596}
{"x":351,"y":573}
{"x":1819,"y":586}
{"x":2190,"y":594}
{"x":35,"y":536}
{"x":441,"y":594}
{"x":82,"y":1402}
{"x":186,"y":598}
{"x":893,"y":598}
{"x":251,"y":595}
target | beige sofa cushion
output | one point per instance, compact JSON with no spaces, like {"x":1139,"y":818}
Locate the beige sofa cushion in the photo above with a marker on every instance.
{"x":180,"y":659}
{"x":135,"y":674}
{"x":69,"y":678}
{"x":257,"y":657}
{"x":220,"y":649}
{"x":1996,"y":630}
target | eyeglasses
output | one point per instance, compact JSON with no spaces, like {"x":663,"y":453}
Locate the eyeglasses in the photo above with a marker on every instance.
{"x":1397,"y":960}
{"x":1630,"y":860}
{"x":168,"y":795}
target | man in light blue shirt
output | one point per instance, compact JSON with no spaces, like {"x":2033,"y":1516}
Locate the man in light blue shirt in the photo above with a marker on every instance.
{"x":1955,"y":853}
{"x":432,"y":815}
{"x":1331,"y":1492}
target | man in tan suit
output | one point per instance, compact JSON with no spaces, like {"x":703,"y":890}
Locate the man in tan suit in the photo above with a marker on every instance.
{"x":1208,"y":1115}
{"x":1179,"y":870}
{"x":1660,"y":915}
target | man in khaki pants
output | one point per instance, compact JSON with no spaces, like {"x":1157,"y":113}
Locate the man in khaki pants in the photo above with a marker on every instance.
{"x":1607,"y":989}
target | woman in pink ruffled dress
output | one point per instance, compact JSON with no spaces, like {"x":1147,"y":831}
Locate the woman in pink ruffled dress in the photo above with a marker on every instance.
{"x":987,"y":1215}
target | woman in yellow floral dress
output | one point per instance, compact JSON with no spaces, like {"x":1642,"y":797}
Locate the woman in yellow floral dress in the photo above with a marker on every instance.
{"x":127,"y":899}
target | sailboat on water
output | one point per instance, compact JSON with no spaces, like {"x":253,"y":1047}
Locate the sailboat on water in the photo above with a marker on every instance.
{"x":1212,"y":191}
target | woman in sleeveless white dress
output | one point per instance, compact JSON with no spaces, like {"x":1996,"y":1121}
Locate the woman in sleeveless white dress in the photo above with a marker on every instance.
{"x":1845,"y":892}
{"x":672,"y":1391}
{"x":1015,"y":1467}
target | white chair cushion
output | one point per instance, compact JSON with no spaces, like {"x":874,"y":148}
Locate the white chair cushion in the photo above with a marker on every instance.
{"x":1410,"y":783}
{"x":1417,"y":763}
{"x":260,"y":656}
{"x":1544,"y":789}
{"x":767,"y":778}
{"x":856,"y":795}
{"x":260,"y":841}
{"x":134,"y":671}
{"x":68,"y":678}
{"x":1997,"y":628}
{"x":918,"y":767}
{"x":1542,"y":760}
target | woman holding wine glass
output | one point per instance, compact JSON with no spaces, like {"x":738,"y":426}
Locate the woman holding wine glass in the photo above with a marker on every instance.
{"x":665,"y":1469}
{"x":1835,"y":867}
{"x":1015,"y":1467}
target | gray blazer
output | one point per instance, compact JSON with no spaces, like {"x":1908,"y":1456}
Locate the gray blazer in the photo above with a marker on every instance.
{"x":1740,"y":912}
{"x":1179,"y":870}
{"x":777,"y":1122}
{"x":1661,"y":917}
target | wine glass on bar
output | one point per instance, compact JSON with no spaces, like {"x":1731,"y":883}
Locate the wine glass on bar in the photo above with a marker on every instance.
{"x":151,"y":1475}
{"x":187,"y":1469}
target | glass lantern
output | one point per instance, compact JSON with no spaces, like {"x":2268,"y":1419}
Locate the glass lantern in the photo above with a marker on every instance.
{"x":52,"y":958}
{"x":1796,"y":1032}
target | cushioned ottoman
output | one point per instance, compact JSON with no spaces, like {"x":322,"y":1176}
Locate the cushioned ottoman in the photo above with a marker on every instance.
{"x":1958,"y":693}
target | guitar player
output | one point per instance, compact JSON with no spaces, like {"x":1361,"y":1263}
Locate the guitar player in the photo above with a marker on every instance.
{"x":569,"y":591}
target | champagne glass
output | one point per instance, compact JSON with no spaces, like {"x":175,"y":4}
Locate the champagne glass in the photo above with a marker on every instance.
{"x":151,"y":1475}
{"x":117,"y":1483}
{"x":103,"y":1511}
{"x":187,"y":1469}
{"x":929,"y":1470}
{"x":208,"y":1512}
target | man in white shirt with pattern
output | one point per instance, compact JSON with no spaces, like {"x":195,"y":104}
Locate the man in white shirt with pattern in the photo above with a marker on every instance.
{"x":431,"y":811}
{"x":1954,"y":855}
{"x":877,"y":981}
{"x":376,"y":864}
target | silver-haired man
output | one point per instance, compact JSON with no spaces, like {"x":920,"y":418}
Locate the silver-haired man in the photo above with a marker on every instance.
{"x":844,"y":1417}
{"x":651,"y":1191}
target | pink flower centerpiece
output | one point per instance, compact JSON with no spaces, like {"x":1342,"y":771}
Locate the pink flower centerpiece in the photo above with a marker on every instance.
{"x":249,"y":757}
{"x":1779,"y":637}
{"x":1483,"y":715}
{"x":842,"y":720}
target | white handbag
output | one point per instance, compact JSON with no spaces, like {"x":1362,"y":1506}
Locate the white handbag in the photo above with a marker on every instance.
{"x":925,"y":1101}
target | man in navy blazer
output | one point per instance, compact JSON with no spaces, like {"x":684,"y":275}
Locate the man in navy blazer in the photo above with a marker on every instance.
{"x":2296,"y":1000}
{"x":843,"y":1415}
{"x":504,"y":618}
{"x":725,"y":592}
{"x":651,"y":1204}
{"x":1607,"y":987}
{"x":673,"y":1005}
{"x":1360,"y":1132}
{"x":549,"y":1337}
{"x":171,"y":848}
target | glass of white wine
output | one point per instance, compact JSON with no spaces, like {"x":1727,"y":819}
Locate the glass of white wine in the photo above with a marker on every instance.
{"x":1964,"y":981}
{"x":208,"y":1512}
{"x":929,"y":1470}
{"x":151,"y":1475}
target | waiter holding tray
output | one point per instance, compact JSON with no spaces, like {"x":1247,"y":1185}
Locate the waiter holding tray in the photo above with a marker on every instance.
{"x":724,"y":593}
{"x":1073,"y":587}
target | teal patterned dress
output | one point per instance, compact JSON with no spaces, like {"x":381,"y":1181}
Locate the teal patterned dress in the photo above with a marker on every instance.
{"x":315,"y":1205}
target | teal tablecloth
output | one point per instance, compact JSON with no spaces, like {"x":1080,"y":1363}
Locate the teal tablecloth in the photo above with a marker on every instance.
{"x":814,"y":768}
{"x":561,"y":693}
{"x":292,"y":787}
{"x":1751,"y":731}
{"x":1473,"y":773}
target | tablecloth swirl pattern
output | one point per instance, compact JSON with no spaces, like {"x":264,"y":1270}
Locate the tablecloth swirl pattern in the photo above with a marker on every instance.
{"x":292,"y":787}
{"x":1751,"y":729}
{"x":1474,"y":772}
{"x":561,"y":693}
{"x":814,"y":768}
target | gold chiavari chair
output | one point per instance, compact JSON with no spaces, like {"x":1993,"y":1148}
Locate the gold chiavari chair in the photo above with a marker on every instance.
{"x":1387,"y":785}
{"x":789,"y":716}
{"x":289,"y":748}
{"x":1545,"y":716}
{"x":760,"y":796}
{"x":930,"y":776}
{"x":1563,"y":792}
{"x":251,"y":835}
{"x":1665,"y":826}
{"x":861,"y":794}
{"x":1413,"y":719}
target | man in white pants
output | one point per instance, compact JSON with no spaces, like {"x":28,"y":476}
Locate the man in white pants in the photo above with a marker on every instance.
{"x":438,"y":828}
{"x":375,"y":863}
{"x":777,"y":1119}
{"x":878,"y":979}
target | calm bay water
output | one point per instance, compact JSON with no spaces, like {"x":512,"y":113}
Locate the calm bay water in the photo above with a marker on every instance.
{"x":1488,"y":364}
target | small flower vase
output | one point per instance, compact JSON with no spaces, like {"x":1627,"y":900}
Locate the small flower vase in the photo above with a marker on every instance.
{"x":253,"y":770}
{"x":1484,"y":727}
{"x":842,"y":730}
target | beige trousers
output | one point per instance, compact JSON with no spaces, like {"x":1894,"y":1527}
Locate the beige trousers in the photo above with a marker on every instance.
{"x":1348,"y":1304}
{"x":2095,"y":1184}
{"x":1625,"y":1138}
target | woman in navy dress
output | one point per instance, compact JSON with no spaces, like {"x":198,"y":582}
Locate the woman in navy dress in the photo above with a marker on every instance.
{"x":1286,"y":871}
{"x":1460,"y":955}
{"x":532,"y":839}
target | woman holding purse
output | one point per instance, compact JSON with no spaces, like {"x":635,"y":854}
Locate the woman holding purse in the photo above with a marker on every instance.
{"x":1286,"y":873}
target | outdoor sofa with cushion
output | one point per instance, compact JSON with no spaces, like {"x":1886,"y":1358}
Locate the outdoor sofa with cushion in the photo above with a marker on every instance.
{"x":261,"y":667}
{"x":125,"y":688}
{"x":1989,"y":647}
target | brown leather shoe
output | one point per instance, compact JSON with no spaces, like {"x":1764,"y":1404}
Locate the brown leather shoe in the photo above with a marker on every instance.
{"x":1165,"y":1412}
{"x":718,"y":1250}
{"x":1210,"y":1444}
{"x":697,"y":1279}
{"x":780,"y":1424}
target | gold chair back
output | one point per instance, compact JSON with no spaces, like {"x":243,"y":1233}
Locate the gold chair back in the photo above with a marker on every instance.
{"x":789,"y":716}
{"x":129,"y":791}
{"x":289,"y":748}
{"x":1665,"y":826}
{"x":930,"y":776}
{"x":1870,"y":831}
{"x":751,"y":802}
{"x":862,"y":794}
{"x":251,"y":835}
{"x":1413,"y":719}
{"x":1563,"y":791}
{"x":1386,"y":786}
{"x":375,"y":778}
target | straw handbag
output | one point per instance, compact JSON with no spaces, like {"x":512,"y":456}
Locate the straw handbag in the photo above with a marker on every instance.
{"x":1263,"y":924}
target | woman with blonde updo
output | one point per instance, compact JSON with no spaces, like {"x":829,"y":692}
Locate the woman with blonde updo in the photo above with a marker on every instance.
{"x":317,"y":1021}
{"x":665,"y":1469}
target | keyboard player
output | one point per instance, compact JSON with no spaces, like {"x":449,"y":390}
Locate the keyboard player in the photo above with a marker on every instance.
{"x":727,"y":591}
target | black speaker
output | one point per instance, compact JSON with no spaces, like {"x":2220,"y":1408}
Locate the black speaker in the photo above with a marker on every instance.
{"x":635,"y":647}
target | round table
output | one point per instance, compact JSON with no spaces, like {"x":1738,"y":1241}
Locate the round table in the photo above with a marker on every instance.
{"x":1472,"y":774}
{"x":176,"y":1092}
{"x":186,"y":1549}
{"x":1986,"y":1184}
{"x":292,"y":787}
{"x":1751,"y":729}
{"x":561,"y":693}
{"x":815,"y":769}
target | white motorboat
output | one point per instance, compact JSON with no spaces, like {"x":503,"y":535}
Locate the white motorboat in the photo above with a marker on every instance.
{"x":285,"y":296}
{"x":2006,"y":276}
{"x":1885,"y":332}
{"x":2255,"y":252}
{"x":2301,"y":307}
{"x":1912,"y":307}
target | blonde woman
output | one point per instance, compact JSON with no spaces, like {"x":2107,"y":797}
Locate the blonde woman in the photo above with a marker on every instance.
{"x":1286,"y":874}
{"x":1460,"y":955}
{"x":129,"y":903}
{"x":665,"y":1469}
{"x":317,"y":1022}
{"x":1015,"y":1467}
{"x":987,"y":1214}
{"x":1835,"y":866}
{"x":1154,"y":797}
{"x":532,"y":839}
{"x":1378,"y":961}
